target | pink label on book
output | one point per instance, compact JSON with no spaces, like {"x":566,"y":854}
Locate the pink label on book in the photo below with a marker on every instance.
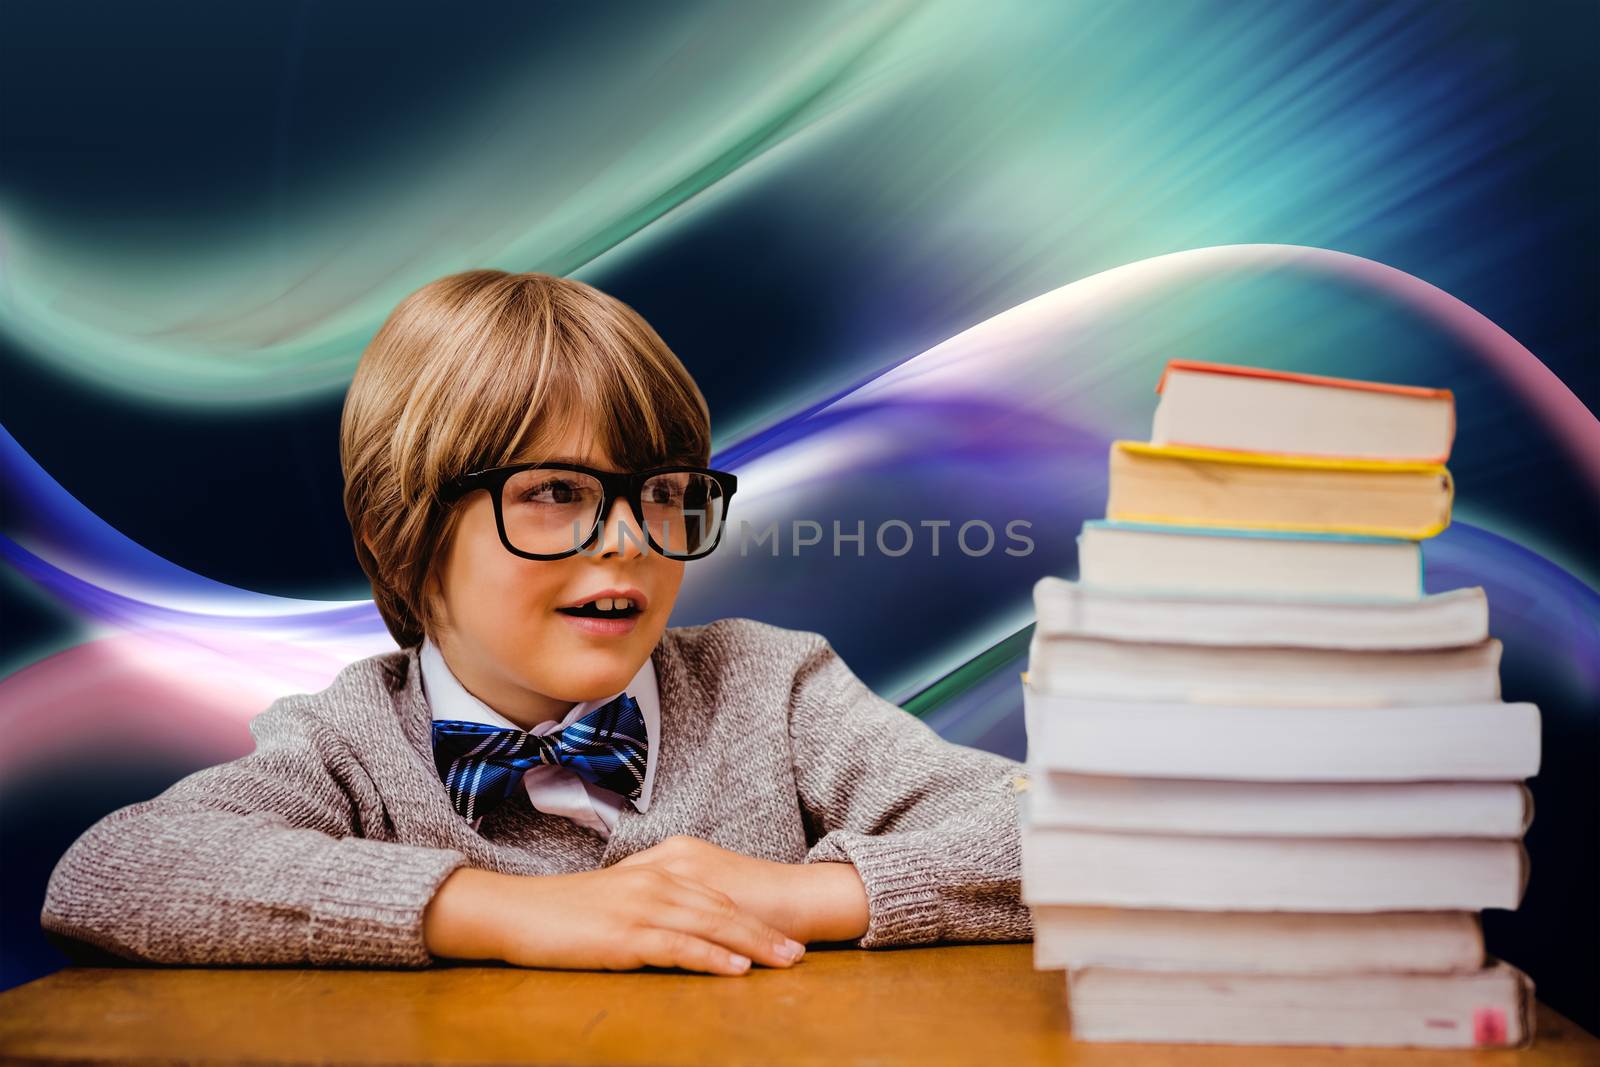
{"x":1489,"y":1026}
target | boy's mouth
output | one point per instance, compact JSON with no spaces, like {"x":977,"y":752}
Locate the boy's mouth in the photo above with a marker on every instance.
{"x":609,"y":616}
{"x":604,"y":608}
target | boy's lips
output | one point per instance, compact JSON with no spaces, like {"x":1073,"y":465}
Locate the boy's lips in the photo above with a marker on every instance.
{"x":605,"y":627}
{"x":601,"y":627}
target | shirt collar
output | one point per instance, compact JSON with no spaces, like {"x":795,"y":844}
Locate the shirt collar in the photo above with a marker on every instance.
{"x":449,"y":699}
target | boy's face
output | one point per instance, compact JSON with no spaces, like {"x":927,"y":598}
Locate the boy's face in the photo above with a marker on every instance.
{"x":503,"y":636}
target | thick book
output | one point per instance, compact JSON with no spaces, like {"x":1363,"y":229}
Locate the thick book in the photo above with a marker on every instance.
{"x":1220,"y":405}
{"x":1278,"y":809}
{"x":1202,"y":873}
{"x":1467,"y":742}
{"x":1443,"y":620}
{"x":1251,"y":674}
{"x":1185,"y":486}
{"x":1491,"y":1008}
{"x":1257,"y":942}
{"x":1234,"y":562}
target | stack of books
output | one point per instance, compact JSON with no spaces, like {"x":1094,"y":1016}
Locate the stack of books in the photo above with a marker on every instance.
{"x":1270,"y":782}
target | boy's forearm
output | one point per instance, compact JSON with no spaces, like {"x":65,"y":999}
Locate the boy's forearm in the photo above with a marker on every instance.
{"x":831,"y":901}
{"x":169,"y":880}
{"x":461,"y":921}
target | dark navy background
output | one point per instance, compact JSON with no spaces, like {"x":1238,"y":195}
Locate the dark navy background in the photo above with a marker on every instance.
{"x":111,"y":110}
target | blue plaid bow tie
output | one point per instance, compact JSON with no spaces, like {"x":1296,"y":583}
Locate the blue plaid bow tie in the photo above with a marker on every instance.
{"x":483,"y":765}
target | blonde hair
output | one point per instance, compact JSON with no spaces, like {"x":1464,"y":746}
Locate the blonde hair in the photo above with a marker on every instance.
{"x":486,"y":368}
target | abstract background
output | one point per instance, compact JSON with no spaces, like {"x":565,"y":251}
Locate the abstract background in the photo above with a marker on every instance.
{"x":925,"y":260}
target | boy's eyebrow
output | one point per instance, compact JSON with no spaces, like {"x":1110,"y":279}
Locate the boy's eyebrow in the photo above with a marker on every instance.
{"x":570,"y":460}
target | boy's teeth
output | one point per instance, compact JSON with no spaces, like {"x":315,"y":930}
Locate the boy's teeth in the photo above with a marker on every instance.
{"x":607,"y":603}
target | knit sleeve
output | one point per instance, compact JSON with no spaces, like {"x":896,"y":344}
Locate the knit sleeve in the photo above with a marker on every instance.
{"x":256,"y":861}
{"x":931,"y":826}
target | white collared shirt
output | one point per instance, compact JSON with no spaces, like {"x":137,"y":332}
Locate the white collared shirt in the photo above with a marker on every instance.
{"x":556,"y":790}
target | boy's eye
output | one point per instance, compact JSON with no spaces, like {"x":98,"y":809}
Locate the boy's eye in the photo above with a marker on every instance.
{"x":657,"y":493}
{"x":556,"y":491}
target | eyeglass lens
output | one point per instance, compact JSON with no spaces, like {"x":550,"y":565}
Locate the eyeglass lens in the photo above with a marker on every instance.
{"x":551,"y":510}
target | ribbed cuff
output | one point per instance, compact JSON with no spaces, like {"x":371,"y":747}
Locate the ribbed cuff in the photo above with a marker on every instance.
{"x":902,"y":894}
{"x":367,"y":905}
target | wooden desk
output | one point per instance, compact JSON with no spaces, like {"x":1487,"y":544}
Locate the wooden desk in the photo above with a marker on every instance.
{"x":959,"y":1004}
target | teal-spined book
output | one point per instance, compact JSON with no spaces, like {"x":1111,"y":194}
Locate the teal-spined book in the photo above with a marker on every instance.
{"x":1221,"y":560}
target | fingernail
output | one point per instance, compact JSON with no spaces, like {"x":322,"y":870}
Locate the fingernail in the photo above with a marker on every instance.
{"x":739,"y":961}
{"x":792,"y":948}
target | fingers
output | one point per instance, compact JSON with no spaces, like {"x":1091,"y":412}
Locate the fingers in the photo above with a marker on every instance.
{"x":722,"y":907}
{"x":671,"y":887}
{"x":734,"y":929}
{"x":684,"y":889}
{"x":684,"y":905}
{"x":673,"y":948}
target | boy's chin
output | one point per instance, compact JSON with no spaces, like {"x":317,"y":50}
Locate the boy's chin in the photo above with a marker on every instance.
{"x":589,"y":672}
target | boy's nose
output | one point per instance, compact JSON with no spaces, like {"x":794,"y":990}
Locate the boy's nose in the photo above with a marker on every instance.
{"x":620,"y":532}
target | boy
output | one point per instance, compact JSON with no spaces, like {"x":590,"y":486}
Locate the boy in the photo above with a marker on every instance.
{"x":544,"y":773}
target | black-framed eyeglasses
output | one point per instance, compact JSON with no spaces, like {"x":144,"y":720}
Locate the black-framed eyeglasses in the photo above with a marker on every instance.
{"x":555,"y":510}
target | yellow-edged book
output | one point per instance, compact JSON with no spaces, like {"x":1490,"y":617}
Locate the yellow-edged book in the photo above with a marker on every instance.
{"x":1181,"y":485}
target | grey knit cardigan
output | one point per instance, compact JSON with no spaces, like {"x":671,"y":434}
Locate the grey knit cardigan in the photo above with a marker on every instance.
{"x":325,"y":844}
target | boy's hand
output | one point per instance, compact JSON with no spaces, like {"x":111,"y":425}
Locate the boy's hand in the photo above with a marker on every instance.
{"x":807,"y":901}
{"x":616,"y":919}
